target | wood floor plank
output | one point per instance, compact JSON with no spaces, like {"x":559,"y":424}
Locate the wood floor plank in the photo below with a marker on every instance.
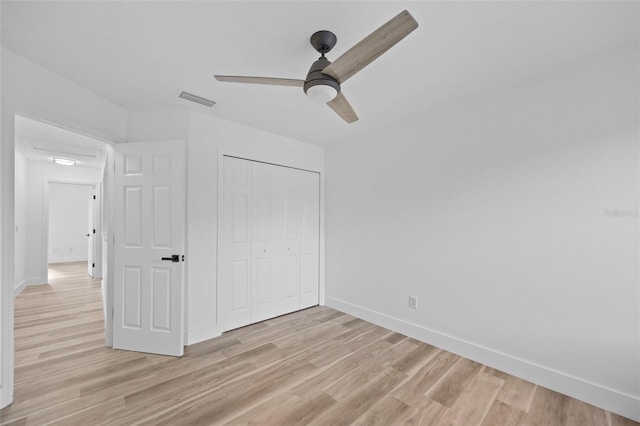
{"x":454,"y":381}
{"x":548,"y":408}
{"x":582,"y":414}
{"x":424,"y":412}
{"x":386,"y":411}
{"x":315,"y":366}
{"x":413,"y":391}
{"x":503,"y":414}
{"x":360,"y":400}
{"x":474,"y":402}
{"x":517,"y":393}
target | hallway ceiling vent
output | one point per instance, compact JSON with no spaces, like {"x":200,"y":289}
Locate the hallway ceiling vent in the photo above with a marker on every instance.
{"x":197,"y":99}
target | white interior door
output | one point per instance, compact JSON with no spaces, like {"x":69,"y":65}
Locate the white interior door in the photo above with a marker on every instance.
{"x":90,"y":239}
{"x":148,"y":247}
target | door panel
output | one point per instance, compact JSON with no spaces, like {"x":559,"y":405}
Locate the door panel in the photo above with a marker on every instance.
{"x":266,"y":283}
{"x":161,"y":298}
{"x":310,"y":240}
{"x":133,"y":216}
{"x":240,"y":287}
{"x":132,"y":297}
{"x":263,"y":282}
{"x":289,"y":184}
{"x":162,"y":217}
{"x":291,"y":277}
{"x":149,"y":226}
{"x":233,"y":297}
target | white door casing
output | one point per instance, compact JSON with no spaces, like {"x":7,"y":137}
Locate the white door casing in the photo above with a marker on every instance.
{"x":91,"y":237}
{"x":149,"y":225}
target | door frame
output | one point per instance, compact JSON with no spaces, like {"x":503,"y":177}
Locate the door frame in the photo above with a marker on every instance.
{"x":8,"y":111}
{"x":45,"y":218}
{"x":261,"y":159}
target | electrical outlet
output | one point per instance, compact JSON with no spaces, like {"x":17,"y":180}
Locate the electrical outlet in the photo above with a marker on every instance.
{"x":413,"y":302}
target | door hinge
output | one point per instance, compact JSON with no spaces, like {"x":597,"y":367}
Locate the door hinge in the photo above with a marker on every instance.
{"x":94,"y":231}
{"x":94,"y":197}
{"x":183,"y":257}
{"x":93,"y":265}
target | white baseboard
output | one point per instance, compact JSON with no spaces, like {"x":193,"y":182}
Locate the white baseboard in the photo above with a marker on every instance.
{"x":6,"y":396}
{"x":609,"y":399}
{"x":26,"y":283}
{"x":202,"y":333}
{"x":68,"y":259}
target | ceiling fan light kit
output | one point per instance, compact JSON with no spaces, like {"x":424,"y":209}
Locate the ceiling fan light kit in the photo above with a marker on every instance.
{"x":324,"y":78}
{"x":319,"y":86}
{"x":64,"y":161}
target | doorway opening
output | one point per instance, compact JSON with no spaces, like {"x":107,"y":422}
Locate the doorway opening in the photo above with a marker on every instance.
{"x":73,"y":230}
{"x":58,"y":249}
{"x":58,"y":199}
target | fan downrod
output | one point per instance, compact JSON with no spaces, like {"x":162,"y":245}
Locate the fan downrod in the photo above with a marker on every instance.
{"x":323,"y":41}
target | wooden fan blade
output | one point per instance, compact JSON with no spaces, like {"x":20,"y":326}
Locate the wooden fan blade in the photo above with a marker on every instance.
{"x":343,"y":108}
{"x":260,"y":80}
{"x":371,"y":47}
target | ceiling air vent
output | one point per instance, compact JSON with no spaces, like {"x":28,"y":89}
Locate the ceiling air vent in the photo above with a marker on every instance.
{"x":197,"y":99}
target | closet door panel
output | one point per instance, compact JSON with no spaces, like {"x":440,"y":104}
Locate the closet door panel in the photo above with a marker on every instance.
{"x":309,"y":239}
{"x":235,"y":258}
{"x":267,"y":274}
{"x":289,"y":185}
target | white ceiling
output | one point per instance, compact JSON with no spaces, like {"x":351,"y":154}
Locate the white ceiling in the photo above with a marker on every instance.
{"x":138,"y":54}
{"x":39,"y":141}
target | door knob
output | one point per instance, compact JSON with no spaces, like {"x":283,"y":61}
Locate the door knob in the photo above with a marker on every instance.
{"x":173,"y":258}
{"x":88,"y":235}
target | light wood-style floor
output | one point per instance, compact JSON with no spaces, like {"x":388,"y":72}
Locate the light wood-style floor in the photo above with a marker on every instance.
{"x":316,"y":366}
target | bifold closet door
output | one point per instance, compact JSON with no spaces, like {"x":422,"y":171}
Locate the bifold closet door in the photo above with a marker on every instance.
{"x":269,"y":235}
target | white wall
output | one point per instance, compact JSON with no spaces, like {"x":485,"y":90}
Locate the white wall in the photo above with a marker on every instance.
{"x":207,"y":137}
{"x":499,"y":216}
{"x":21,"y":221}
{"x":31,"y":90}
{"x":69,"y":222}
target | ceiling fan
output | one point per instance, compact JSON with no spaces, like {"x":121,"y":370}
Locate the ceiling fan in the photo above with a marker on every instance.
{"x":324,"y":78}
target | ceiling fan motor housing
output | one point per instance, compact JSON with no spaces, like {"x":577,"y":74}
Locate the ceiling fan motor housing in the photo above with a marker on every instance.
{"x":315,"y":76}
